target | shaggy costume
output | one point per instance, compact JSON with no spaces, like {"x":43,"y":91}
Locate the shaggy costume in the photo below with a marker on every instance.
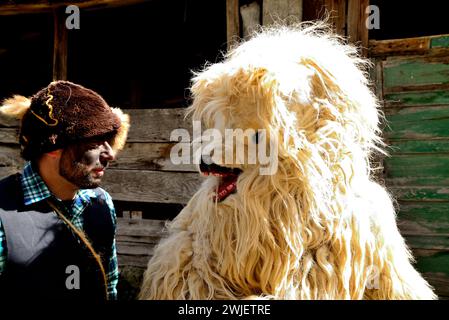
{"x":36,"y":228}
{"x":320,"y":227}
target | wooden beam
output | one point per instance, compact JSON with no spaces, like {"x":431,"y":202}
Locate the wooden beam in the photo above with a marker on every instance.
{"x":60,"y":45}
{"x":313,"y":10}
{"x":432,"y":46}
{"x":48,"y":6}
{"x":289,"y":11}
{"x":250,"y":18}
{"x":357,"y":31}
{"x":336,"y":9}
{"x":406,"y":46}
{"x":232,"y":21}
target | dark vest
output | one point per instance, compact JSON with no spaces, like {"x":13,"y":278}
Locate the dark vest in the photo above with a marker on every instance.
{"x":44,"y":256}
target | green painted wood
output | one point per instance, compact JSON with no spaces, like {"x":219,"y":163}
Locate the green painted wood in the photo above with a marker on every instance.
{"x":417,"y":146}
{"x":433,"y":265}
{"x":415,"y":73}
{"x":437,"y":263}
{"x":424,"y":218}
{"x":417,"y":98}
{"x":420,"y":193}
{"x":417,"y":123}
{"x":440,"y":42}
{"x":427,"y":242}
{"x":418,"y":170}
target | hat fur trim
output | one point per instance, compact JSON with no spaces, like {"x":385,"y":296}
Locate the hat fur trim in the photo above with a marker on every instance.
{"x":122,"y":133}
{"x":15,"y":107}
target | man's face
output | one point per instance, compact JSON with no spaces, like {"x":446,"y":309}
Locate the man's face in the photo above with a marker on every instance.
{"x":84,"y":163}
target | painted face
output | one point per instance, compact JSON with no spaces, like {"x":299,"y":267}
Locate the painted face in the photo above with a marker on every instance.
{"x":83,"y":164}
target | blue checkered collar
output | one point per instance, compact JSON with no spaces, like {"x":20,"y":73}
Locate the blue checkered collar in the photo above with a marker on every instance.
{"x":35,"y":190}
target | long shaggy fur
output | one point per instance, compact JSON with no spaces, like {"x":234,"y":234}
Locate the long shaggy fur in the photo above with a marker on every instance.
{"x":320,"y":228}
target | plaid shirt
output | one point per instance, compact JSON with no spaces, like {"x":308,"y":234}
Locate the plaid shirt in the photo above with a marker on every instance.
{"x":35,"y":190}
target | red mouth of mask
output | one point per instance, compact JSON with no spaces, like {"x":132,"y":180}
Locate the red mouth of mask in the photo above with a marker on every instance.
{"x":99,"y":171}
{"x":228,"y":179}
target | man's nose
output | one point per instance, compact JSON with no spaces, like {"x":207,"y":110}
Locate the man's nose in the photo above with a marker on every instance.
{"x":107,"y":153}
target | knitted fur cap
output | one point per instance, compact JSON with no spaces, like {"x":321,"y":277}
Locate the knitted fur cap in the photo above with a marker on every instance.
{"x":64,"y":113}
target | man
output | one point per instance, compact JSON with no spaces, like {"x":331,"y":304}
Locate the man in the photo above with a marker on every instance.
{"x":57,"y":227}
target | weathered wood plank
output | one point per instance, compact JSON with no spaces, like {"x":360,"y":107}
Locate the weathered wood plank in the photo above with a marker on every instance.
{"x":417,"y":98}
{"x":155,"y":125}
{"x":10,"y":157}
{"x":147,"y":125}
{"x":140,"y":228}
{"x":313,"y":9}
{"x":232,"y":21}
{"x":407,"y":74}
{"x":136,"y":240}
{"x":418,"y":146}
{"x":424,"y":218}
{"x":9,"y":135}
{"x":137,"y":156}
{"x":406,"y":114}
{"x":430,"y":263}
{"x":416,"y":123}
{"x":132,"y":260}
{"x":60,"y":44}
{"x":356,"y":28}
{"x":6,"y":121}
{"x":337,"y":15}
{"x":152,"y":156}
{"x":440,"y":42}
{"x":151,"y":186}
{"x":250,"y":14}
{"x":287,"y":11}
{"x":433,"y":266}
{"x":417,"y":170}
{"x":420,"y":193}
{"x":427,"y":242}
{"x":377,"y":75}
{"x":406,"y":46}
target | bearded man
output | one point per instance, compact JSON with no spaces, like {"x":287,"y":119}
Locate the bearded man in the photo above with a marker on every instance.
{"x":57,"y":226}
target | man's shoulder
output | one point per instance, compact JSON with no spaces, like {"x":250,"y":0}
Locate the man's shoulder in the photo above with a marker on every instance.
{"x":94,"y":193}
{"x":98,"y":194}
{"x":9,"y":191}
{"x":6,"y":182}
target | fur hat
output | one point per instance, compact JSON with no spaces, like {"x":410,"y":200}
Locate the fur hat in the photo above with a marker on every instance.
{"x":64,"y":113}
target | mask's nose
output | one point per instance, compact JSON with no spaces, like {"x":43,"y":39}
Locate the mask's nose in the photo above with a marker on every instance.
{"x":107,"y":154}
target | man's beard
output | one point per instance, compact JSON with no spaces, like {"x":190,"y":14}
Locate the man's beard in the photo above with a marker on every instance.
{"x":76,"y":172}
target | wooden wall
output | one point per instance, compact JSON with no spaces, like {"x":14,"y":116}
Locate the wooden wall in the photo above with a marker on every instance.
{"x":413,"y":81}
